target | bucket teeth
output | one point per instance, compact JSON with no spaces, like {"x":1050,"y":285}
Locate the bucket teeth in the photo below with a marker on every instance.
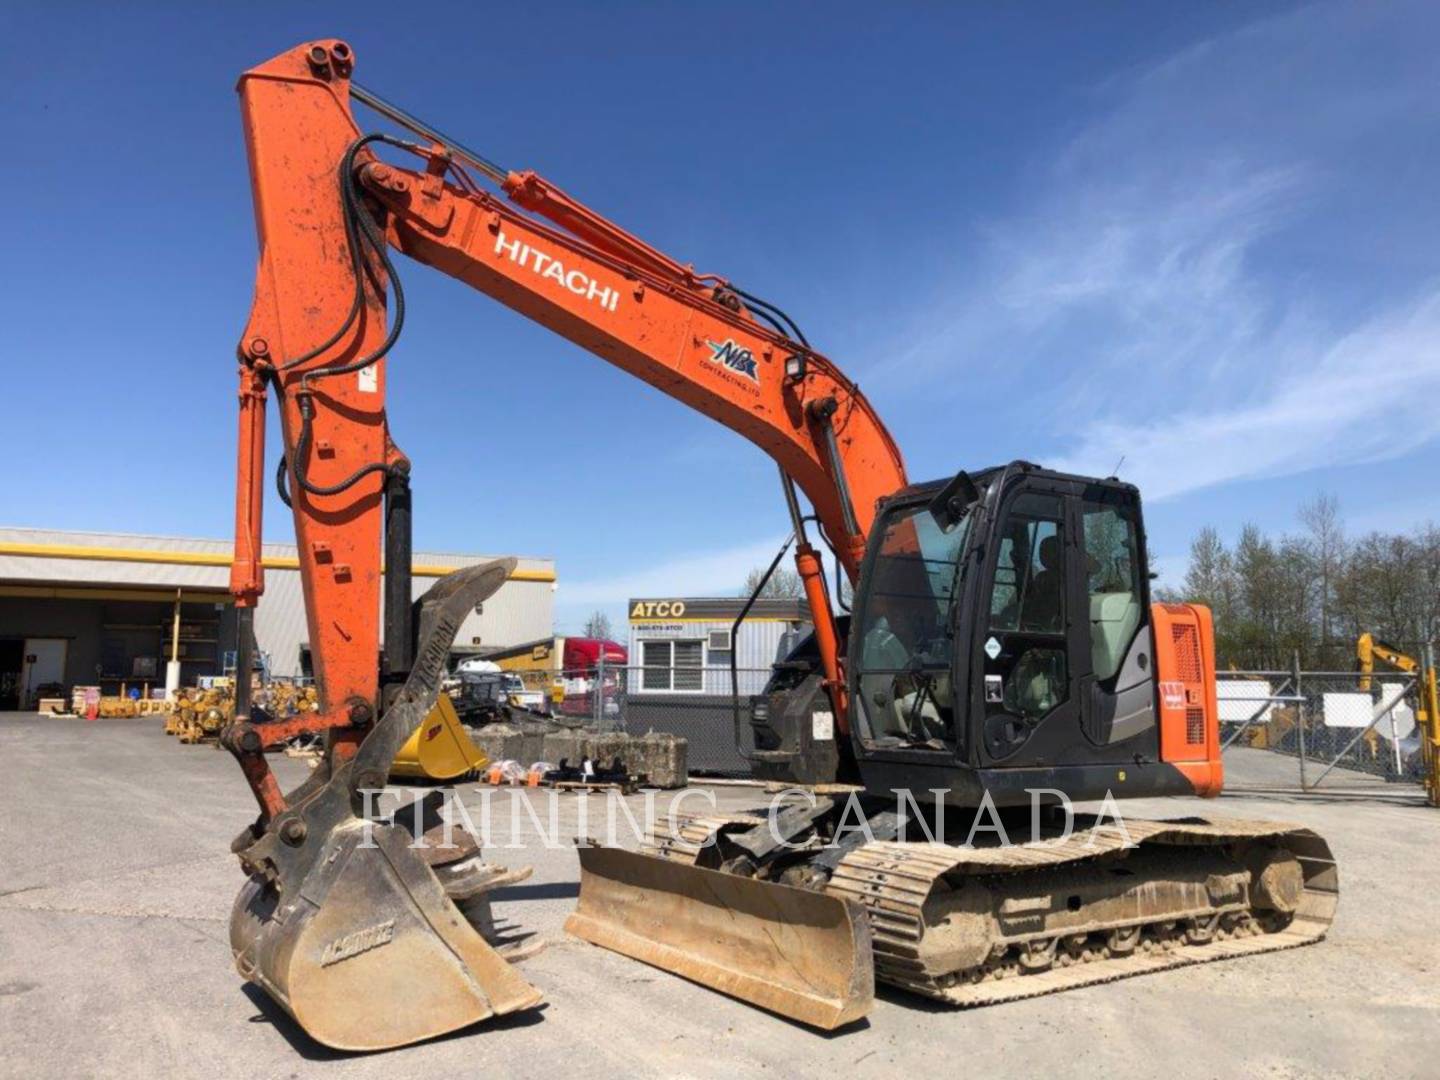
{"x":441,"y":844}
{"x":467,"y":882}
{"x":510,"y":942}
{"x":519,"y":950}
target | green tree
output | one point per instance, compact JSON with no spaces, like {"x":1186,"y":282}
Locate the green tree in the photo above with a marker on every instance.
{"x":1321,"y":518}
{"x":1210,"y":580}
{"x":1314,"y":592}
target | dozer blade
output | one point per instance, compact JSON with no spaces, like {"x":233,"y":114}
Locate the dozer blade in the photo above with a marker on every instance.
{"x":804,"y":955}
{"x":343,"y":920}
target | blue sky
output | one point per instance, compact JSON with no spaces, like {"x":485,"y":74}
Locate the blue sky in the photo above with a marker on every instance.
{"x":1203,"y":237}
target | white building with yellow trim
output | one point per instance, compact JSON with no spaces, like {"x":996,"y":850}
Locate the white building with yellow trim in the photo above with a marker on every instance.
{"x":93,"y":608}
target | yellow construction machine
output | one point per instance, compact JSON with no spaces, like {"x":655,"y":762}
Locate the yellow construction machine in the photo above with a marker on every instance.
{"x":439,"y":749}
{"x":1368,"y":650}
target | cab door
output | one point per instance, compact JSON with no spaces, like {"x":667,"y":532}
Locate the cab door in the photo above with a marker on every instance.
{"x":1117,"y":687}
{"x":1029,"y":629}
{"x":1060,"y":654}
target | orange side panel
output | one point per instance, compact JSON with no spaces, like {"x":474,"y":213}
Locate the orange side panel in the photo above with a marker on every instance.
{"x":1185,"y":676}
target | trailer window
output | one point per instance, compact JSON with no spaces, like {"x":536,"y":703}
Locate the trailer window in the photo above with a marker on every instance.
{"x":672,"y":665}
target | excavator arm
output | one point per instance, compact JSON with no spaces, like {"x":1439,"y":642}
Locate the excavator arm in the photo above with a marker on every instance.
{"x":1368,"y":650}
{"x":697,"y":343}
{"x":328,"y":212}
{"x":344,"y":920}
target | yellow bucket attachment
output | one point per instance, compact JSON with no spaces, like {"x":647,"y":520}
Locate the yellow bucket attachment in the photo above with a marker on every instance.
{"x":438,"y":749}
{"x":804,"y":955}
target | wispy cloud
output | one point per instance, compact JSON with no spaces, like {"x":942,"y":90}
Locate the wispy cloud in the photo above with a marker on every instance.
{"x":1368,"y":397}
{"x":719,"y":572}
{"x":1189,"y":283}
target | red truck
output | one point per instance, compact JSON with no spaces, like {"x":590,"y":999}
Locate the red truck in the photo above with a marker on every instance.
{"x":584,"y":661}
{"x":565,"y":669}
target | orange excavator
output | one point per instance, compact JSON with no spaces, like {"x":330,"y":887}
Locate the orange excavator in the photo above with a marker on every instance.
{"x":1001,"y":658}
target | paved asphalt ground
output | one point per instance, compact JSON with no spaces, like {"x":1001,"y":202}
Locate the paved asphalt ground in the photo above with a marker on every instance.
{"x":116,"y":884}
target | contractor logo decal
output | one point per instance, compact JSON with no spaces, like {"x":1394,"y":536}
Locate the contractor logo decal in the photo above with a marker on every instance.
{"x":737,"y":359}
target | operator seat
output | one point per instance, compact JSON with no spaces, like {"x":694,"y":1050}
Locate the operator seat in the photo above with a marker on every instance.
{"x":1044,"y":599}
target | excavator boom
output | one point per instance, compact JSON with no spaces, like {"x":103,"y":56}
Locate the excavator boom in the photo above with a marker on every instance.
{"x":318,"y":336}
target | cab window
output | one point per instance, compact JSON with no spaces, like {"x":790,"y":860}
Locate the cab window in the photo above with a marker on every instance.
{"x":902,"y":618}
{"x":1026,"y":675}
{"x":1029,"y":590}
{"x":1113,"y":575}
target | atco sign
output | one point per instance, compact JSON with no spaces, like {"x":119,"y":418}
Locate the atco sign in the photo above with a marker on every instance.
{"x":658,"y":609}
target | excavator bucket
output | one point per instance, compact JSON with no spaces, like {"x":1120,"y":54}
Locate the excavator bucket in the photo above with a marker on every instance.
{"x":357,"y":925}
{"x":374,"y":954}
{"x":438,"y":749}
{"x":804,"y":955}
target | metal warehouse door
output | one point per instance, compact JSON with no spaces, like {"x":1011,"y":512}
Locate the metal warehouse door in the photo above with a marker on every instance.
{"x":44,"y":663}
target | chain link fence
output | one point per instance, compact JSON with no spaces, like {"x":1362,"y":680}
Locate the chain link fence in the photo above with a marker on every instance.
{"x":1332,"y":730}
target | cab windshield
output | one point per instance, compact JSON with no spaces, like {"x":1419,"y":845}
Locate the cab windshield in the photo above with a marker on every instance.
{"x":902,"y":618}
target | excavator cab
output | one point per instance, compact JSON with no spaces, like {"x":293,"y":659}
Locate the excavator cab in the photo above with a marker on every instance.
{"x":1007,"y":636}
{"x":1001,"y":630}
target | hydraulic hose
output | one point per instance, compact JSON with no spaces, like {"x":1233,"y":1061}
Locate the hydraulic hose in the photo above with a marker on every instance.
{"x":734,"y":630}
